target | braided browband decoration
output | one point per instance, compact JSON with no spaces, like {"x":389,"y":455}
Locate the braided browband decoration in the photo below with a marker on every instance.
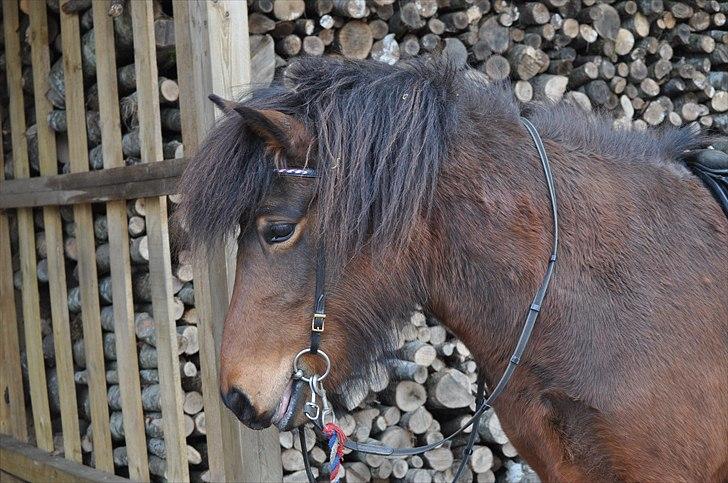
{"x":296,"y":172}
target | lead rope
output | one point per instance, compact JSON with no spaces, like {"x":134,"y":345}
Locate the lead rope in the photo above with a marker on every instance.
{"x":337,"y":439}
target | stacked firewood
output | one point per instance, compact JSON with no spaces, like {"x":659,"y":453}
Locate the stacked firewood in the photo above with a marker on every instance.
{"x":647,"y":62}
{"x":184,"y":311}
{"x":168,"y":88}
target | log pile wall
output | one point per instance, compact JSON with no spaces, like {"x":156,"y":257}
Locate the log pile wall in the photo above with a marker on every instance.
{"x":646,"y":62}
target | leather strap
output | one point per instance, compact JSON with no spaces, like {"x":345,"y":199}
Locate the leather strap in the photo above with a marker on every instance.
{"x":306,"y":459}
{"x":318,"y":322}
{"x":482,"y":405}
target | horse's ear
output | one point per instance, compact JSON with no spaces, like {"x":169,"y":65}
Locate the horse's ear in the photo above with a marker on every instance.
{"x":281,"y":132}
{"x":223,"y":104}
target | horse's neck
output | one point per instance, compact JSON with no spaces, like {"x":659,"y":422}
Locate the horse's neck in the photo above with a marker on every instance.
{"x":494,"y":247}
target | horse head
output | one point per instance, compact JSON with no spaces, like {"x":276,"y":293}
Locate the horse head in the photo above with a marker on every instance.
{"x":375,"y":139}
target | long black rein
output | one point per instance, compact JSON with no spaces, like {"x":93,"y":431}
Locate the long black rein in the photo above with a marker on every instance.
{"x":482,"y":403}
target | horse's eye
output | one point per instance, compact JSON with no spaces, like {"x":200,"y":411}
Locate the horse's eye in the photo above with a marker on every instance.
{"x":279,"y":232}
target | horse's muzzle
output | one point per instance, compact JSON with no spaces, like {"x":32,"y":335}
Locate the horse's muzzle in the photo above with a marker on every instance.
{"x":240,"y":405}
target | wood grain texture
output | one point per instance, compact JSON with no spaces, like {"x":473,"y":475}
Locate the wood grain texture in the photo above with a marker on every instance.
{"x":8,"y":478}
{"x":118,"y":236}
{"x":117,"y":183}
{"x":26,"y":236}
{"x":215,"y":54}
{"x":56,"y":264}
{"x":32,"y":464}
{"x":150,"y":141}
{"x":12,"y":405}
{"x":84,"y":231}
{"x":224,"y":455}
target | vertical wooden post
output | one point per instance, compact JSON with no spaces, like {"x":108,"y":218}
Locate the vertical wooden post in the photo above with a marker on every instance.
{"x":88,"y":281}
{"x":12,"y":404}
{"x":26,"y":235}
{"x":126,"y":351}
{"x":160,"y":270}
{"x":213,"y":56}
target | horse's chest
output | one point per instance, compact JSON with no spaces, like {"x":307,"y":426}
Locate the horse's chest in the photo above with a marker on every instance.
{"x":561,"y":437}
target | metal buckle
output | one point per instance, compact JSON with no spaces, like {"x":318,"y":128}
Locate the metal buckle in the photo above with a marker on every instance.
{"x":298,"y":371}
{"x":317,"y":323}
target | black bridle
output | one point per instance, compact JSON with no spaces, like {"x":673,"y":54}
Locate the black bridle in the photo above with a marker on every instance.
{"x":482,"y":403}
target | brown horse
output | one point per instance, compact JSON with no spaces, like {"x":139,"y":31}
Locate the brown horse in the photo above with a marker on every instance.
{"x":431,"y":192}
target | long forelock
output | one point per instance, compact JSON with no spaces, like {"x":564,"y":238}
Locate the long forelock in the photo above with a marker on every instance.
{"x":382,"y":136}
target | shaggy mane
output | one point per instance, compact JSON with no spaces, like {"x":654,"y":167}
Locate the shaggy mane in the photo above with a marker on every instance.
{"x":590,"y":132}
{"x":382,"y":135}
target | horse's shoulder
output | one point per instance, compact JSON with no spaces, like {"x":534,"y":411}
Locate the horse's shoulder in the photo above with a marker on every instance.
{"x":582,"y":432}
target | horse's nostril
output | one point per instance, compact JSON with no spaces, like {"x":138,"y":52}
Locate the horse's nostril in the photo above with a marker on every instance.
{"x":240,"y":405}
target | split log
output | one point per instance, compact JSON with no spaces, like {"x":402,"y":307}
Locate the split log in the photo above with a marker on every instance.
{"x":417,"y":421}
{"x":364,"y":419}
{"x":526,"y":61}
{"x":439,"y":459}
{"x":490,"y":430}
{"x":193,"y":403}
{"x":449,"y":389}
{"x":406,"y":370}
{"x":357,"y":472}
{"x":419,"y":353}
{"x":549,"y":87}
{"x":355,"y":40}
{"x":139,"y":249}
{"x":200,"y":424}
{"x":158,"y":447}
{"x":397,"y":437}
{"x":406,"y":395}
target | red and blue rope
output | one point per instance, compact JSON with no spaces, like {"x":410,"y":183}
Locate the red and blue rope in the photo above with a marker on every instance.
{"x":337,"y":438}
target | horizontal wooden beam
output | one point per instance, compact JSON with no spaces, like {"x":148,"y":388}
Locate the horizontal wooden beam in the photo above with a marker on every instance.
{"x":29,"y":463}
{"x":139,"y":181}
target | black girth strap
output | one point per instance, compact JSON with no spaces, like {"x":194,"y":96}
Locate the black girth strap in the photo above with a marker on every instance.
{"x":482,"y":404}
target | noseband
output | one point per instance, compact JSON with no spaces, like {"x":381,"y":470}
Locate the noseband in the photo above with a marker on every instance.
{"x":319,"y":417}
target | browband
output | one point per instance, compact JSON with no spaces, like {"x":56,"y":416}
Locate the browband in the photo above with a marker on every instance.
{"x":296,"y":172}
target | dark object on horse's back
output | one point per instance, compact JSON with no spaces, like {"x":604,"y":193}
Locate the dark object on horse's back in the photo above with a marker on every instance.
{"x":711,"y":166}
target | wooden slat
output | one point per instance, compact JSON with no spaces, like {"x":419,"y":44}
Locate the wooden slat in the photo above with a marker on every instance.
{"x":160,"y":269}
{"x":26,"y":235}
{"x":12,"y":405}
{"x":8,"y":478}
{"x":211,"y":287}
{"x":212,"y":47}
{"x":140,"y":181}
{"x":40,"y":56}
{"x":126,"y":350}
{"x":32,"y":464}
{"x":83,"y":219}
{"x":54,"y":239}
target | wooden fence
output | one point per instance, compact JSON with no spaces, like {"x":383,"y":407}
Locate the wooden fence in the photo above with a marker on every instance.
{"x":212,"y":56}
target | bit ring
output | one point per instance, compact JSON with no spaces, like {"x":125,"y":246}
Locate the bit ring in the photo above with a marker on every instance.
{"x":320,"y":353}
